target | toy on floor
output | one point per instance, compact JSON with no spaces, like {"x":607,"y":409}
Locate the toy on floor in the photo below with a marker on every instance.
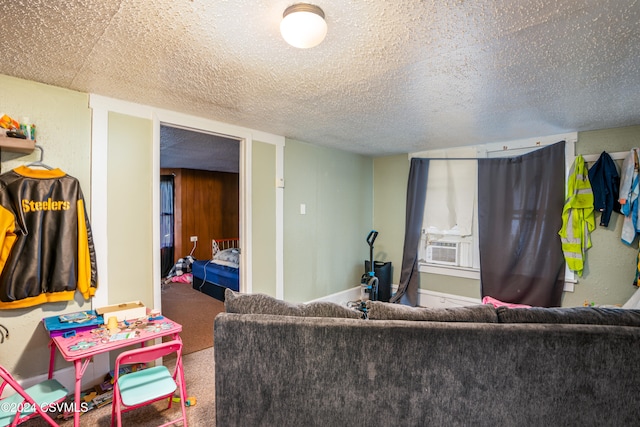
{"x":190,"y":401}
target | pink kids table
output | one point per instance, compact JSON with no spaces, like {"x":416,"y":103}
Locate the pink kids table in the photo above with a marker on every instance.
{"x":81,"y":348}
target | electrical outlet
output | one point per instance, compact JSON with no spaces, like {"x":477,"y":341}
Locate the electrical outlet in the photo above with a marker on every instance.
{"x":194,"y":238}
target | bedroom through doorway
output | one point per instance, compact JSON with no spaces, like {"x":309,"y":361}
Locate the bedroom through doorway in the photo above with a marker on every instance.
{"x":200,"y":203}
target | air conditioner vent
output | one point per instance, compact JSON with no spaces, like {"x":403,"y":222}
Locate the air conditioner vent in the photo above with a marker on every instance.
{"x":445,"y":253}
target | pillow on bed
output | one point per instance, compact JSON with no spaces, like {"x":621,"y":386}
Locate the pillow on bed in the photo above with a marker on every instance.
{"x":482,"y":313}
{"x":236,"y":302}
{"x":229,"y":257}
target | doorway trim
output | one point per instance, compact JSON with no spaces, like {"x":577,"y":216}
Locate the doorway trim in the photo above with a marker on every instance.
{"x":201,"y":125}
{"x":101,"y":106}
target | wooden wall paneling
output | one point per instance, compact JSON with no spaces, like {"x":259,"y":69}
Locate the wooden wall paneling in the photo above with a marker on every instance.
{"x":231,"y":203}
{"x":189,"y":206}
{"x":202,"y":205}
{"x":207,"y":206}
{"x":177,"y":238}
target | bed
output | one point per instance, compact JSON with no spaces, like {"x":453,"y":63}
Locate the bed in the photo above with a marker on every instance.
{"x":213,"y":276}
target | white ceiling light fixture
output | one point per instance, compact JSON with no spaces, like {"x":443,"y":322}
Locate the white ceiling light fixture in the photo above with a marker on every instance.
{"x":303,"y":25}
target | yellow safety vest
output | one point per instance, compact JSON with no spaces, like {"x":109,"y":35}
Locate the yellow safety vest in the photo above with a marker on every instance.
{"x":578,"y":217}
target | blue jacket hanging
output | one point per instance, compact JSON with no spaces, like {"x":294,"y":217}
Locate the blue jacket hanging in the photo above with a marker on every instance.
{"x":605,"y":183}
{"x":629,"y":192}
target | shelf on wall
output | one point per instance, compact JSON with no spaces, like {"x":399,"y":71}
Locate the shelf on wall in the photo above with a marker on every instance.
{"x":17,"y":145}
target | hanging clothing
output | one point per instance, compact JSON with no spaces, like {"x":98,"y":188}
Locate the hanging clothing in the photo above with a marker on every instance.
{"x":636,"y":281}
{"x":578,"y":219}
{"x":46,"y":245}
{"x":605,"y":183}
{"x":629,"y":190}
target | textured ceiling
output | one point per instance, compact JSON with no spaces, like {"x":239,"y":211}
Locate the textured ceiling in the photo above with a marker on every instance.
{"x":390,"y":77}
{"x":182,"y":148}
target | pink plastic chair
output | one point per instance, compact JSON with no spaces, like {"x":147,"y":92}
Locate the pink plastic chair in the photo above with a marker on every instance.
{"x":30,"y":402}
{"x":143,"y":387}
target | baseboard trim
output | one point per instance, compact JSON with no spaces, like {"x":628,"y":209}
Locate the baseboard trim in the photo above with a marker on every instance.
{"x":435,"y":299}
{"x":342,"y":297}
{"x":426,"y":298}
{"x":67,"y":377}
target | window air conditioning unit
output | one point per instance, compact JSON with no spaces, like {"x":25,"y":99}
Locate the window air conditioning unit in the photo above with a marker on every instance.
{"x":450,"y":252}
{"x":445,"y":253}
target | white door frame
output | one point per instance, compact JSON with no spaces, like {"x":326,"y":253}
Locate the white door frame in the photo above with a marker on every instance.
{"x":101,"y":106}
{"x":201,"y":125}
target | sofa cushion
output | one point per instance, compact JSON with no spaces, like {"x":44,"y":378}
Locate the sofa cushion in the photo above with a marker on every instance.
{"x":570,"y":315}
{"x":236,"y":302}
{"x":482,"y":313}
{"x":330,"y":309}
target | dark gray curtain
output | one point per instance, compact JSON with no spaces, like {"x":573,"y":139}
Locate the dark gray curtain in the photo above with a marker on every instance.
{"x":520,"y":201}
{"x":416,"y":194}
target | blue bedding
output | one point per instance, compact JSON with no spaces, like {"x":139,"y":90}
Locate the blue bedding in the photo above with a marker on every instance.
{"x":212,"y":279}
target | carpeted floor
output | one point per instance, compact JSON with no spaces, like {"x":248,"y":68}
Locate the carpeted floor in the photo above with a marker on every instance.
{"x":194,"y":310}
{"x":199,"y":376}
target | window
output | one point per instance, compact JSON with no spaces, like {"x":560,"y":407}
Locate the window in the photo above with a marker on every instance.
{"x":449,"y":242}
{"x":167,"y":214}
{"x":450,"y":215}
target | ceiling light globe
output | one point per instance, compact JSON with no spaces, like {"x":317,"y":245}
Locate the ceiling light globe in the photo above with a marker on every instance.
{"x":303,"y":25}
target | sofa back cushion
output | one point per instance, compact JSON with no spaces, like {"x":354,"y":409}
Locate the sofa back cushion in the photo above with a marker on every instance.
{"x":482,"y":313}
{"x":570,"y":315}
{"x":329,"y":309}
{"x":236,"y":302}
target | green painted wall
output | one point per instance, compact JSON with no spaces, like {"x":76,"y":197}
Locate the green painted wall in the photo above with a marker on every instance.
{"x":63,"y":123}
{"x":389,"y":200}
{"x":325,"y":249}
{"x":610,"y":263}
{"x":130,"y":209}
{"x":346,"y":195}
{"x":263,"y":204}
{"x":63,"y":126}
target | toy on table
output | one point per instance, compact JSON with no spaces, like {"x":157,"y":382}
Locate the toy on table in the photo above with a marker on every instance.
{"x":112,"y":325}
{"x":82,"y":345}
{"x":113,"y":330}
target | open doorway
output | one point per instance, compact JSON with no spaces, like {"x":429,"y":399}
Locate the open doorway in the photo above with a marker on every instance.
{"x":200,"y":204}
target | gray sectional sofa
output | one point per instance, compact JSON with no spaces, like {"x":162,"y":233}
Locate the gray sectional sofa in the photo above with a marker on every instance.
{"x":282,"y":364}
